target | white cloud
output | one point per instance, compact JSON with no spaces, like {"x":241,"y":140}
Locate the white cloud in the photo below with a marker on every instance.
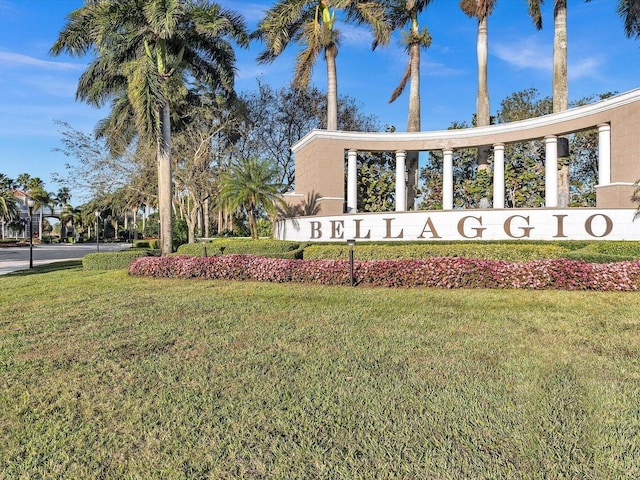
{"x":588,"y":67}
{"x":355,"y":36}
{"x":525,"y":53}
{"x":530,"y":53}
{"x":9,"y":59}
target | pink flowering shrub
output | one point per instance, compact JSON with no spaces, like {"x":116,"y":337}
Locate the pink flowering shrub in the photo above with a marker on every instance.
{"x":441,"y":272}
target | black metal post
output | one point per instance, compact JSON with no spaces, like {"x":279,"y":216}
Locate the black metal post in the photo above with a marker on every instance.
{"x":97,"y":232}
{"x":351,"y":266}
{"x":30,"y":236}
{"x":351,"y":243}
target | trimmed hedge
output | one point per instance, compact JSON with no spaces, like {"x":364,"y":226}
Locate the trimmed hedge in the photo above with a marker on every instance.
{"x":152,"y":244}
{"x":439,"y":272}
{"x":513,"y":252}
{"x":516,"y":250}
{"x":114,"y":260}
{"x":262,"y":247}
{"x":595,"y":251}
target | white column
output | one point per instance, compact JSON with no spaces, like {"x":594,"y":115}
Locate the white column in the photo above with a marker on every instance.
{"x":551,"y":171}
{"x":401,"y":182}
{"x":498,"y":175}
{"x":447,"y":180}
{"x":352,"y":181}
{"x":604,"y":154}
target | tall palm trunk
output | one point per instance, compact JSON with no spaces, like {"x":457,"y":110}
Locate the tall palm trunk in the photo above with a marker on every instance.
{"x":561,"y":88}
{"x":482,"y":101}
{"x":330,"y":53}
{"x":165,"y":195}
{"x":413,"y":122}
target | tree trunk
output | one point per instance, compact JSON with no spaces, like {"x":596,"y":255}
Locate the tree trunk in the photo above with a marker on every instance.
{"x":192,"y":218}
{"x":206,"y":218}
{"x":165,"y":196}
{"x":330,"y":54}
{"x":253,"y":225}
{"x":135,"y":224}
{"x":561,"y":89}
{"x":482,"y":102}
{"x":413,"y":124}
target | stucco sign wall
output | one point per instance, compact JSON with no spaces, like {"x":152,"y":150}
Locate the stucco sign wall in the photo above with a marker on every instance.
{"x":507,"y":224}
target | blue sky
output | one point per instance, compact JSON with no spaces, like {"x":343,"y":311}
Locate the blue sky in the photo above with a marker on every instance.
{"x":36,"y":89}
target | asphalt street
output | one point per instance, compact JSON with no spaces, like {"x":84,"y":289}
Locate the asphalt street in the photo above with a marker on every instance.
{"x":17,"y":258}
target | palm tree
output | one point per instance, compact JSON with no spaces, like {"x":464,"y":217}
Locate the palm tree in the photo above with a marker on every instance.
{"x":629,"y":10}
{"x":250,"y":184}
{"x":43,"y":199}
{"x":311,"y":23}
{"x":9,"y":209}
{"x":147,"y":50}
{"x":36,"y":190}
{"x":402,"y":13}
{"x":481,"y":10}
{"x":63,"y":196}
{"x":560,"y":74}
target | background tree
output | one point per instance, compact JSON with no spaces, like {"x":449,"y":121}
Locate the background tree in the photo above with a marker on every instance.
{"x":311,"y":24}
{"x":560,"y":83}
{"x":147,"y":48}
{"x":524,"y":162}
{"x":629,"y":10}
{"x":401,"y":14}
{"x":250,"y":185}
{"x":63,"y":196}
{"x":9,"y":209}
{"x":275,"y":119}
{"x":208,"y":120}
{"x":376,"y":181}
{"x":470,"y":185}
{"x":481,"y":10}
{"x":35,"y":188}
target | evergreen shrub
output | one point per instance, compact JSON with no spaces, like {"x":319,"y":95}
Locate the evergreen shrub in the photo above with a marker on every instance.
{"x":115,"y":260}
{"x":264,"y":247}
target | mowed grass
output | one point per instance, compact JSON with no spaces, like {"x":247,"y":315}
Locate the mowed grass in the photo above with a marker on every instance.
{"x":107,"y":376}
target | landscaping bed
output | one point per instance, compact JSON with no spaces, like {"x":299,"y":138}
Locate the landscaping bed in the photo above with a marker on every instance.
{"x":442,"y":272}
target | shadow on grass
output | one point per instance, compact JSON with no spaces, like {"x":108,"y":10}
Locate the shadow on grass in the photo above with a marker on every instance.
{"x":47,"y":268}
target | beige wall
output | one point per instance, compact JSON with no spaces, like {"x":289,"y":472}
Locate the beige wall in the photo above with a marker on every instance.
{"x":320,"y":155}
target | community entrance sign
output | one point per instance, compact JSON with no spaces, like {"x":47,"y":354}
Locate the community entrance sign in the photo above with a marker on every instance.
{"x":438,"y":225}
{"x":323,"y":157}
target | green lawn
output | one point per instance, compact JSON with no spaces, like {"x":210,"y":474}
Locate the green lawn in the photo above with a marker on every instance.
{"x":107,"y":376}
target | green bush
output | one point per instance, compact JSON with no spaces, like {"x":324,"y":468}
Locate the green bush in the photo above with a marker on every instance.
{"x":264,"y":247}
{"x":517,"y":250}
{"x":588,"y":251}
{"x":627,"y":249}
{"x":489,"y":251}
{"x":153,"y":244}
{"x":142,"y":244}
{"x":114,"y":260}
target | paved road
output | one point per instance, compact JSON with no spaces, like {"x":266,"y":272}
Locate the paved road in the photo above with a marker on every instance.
{"x":17,"y":258}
